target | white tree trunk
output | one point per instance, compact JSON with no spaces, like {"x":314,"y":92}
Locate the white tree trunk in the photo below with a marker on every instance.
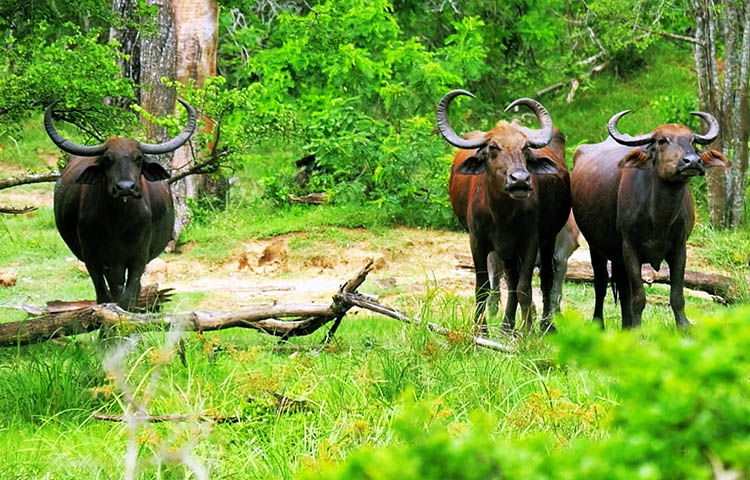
{"x":196,"y":28}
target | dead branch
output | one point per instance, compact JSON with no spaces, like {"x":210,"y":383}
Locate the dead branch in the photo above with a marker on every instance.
{"x":671,"y":36}
{"x":312,"y":198}
{"x":16,"y":211}
{"x":549,"y":89}
{"x":363,"y":301}
{"x":203,"y":417}
{"x":29,"y":178}
{"x":211,"y":164}
{"x":150,"y":299}
{"x":305,"y":319}
{"x":574,"y":84}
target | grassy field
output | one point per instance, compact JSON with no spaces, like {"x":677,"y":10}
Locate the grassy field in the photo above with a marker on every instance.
{"x":352,"y":390}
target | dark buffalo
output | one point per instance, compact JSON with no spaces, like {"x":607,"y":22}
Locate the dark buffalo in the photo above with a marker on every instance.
{"x":632,"y":204}
{"x":114,"y":210}
{"x":510,"y":188}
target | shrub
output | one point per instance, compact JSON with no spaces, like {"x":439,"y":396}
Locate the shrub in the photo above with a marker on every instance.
{"x":682,"y":412}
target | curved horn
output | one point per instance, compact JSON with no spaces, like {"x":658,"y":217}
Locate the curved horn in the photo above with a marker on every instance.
{"x":713,"y":128}
{"x":623,"y":138}
{"x":539,"y":138}
{"x":67,"y":145}
{"x":176,"y":142}
{"x":445,"y":127}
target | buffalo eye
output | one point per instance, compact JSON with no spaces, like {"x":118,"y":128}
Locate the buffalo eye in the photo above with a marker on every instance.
{"x":493,"y":148}
{"x":662,"y":141}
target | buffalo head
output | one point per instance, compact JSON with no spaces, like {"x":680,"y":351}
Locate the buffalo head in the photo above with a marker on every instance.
{"x":504,"y":152}
{"x":670,"y":149}
{"x":120,"y":162}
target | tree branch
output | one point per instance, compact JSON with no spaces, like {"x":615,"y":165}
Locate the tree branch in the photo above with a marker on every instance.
{"x":16,"y":211}
{"x":672,"y":36}
{"x":29,"y":178}
{"x":307,"y":318}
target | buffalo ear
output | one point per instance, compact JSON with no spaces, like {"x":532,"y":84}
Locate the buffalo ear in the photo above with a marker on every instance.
{"x":635,"y":159}
{"x":712,"y":158}
{"x":91,"y":175}
{"x":474,"y":165}
{"x":542,"y":166}
{"x":154,"y":172}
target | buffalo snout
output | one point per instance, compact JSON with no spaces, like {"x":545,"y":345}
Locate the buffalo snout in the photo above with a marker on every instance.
{"x":518,"y":185}
{"x":126,"y":188}
{"x":691,"y":165}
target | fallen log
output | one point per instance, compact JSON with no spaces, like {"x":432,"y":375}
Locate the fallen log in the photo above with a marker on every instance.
{"x":150,"y":299}
{"x":719,"y":286}
{"x":716,"y":285}
{"x":168,"y":418}
{"x":304,"y":319}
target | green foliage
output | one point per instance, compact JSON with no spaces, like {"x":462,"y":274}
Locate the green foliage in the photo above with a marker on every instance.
{"x":676,"y":106}
{"x":681,"y":412}
{"x":362,"y":94}
{"x":57,"y":52}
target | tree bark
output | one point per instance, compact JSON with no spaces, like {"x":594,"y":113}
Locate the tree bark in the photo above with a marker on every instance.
{"x":727,"y":22}
{"x":196,"y":34}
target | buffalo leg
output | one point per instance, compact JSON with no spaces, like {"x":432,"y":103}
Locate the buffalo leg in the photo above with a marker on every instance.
{"x":480,"y":253}
{"x":495,"y":271}
{"x":115,"y":275}
{"x":676,"y":262}
{"x":624,"y":291}
{"x":601,"y":279}
{"x":633,"y":270}
{"x":546,"y":276}
{"x":511,"y":276}
{"x":565,"y":244}
{"x":523,"y":287}
{"x":100,"y":286}
{"x":132,"y":291}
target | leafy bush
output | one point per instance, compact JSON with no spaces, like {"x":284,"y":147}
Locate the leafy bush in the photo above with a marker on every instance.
{"x":682,"y":412}
{"x":363,"y":97}
{"x":72,"y":66}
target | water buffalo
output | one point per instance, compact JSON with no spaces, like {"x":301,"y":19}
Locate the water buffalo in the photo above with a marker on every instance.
{"x":113,"y":208}
{"x":510,"y":188}
{"x":632,"y":204}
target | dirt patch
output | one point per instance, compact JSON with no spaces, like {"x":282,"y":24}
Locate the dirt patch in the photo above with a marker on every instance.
{"x":307,"y":267}
{"x":274,"y":270}
{"x":23,"y":196}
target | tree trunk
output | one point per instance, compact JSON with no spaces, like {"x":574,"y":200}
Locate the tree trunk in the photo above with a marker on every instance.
{"x":728,"y":22}
{"x":182,"y":48}
{"x":196,"y":28}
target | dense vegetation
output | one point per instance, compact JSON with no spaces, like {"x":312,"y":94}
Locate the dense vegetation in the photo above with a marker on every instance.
{"x":355,"y":84}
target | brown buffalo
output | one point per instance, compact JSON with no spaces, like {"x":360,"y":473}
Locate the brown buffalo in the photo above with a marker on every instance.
{"x":510,"y":188}
{"x":632,"y":204}
{"x":113,"y":209}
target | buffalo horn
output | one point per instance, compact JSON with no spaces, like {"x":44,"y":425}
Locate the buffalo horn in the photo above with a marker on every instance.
{"x":539,"y":138}
{"x":713,"y":128}
{"x":176,"y":142}
{"x":445,"y":127}
{"x":623,"y":138}
{"x":67,"y":145}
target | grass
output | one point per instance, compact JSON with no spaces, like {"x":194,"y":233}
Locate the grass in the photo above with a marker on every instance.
{"x":355,"y":387}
